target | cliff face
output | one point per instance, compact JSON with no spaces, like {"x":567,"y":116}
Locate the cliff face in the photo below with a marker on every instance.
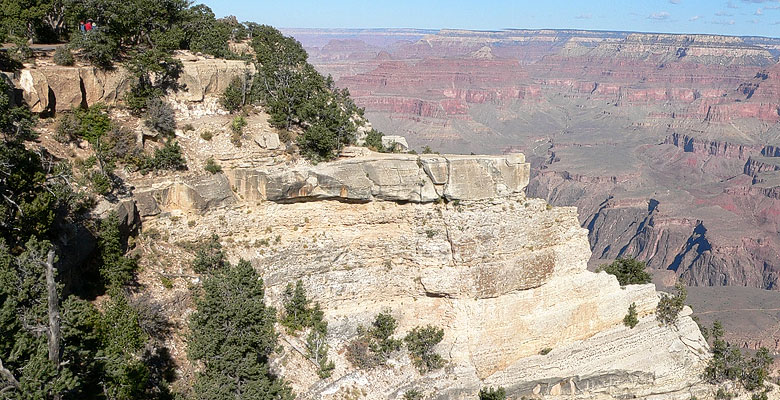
{"x":52,"y":88}
{"x":504,"y":275}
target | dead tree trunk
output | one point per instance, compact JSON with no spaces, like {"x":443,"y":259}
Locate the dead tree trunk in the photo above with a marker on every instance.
{"x":54,"y":311}
{"x":55,"y":335}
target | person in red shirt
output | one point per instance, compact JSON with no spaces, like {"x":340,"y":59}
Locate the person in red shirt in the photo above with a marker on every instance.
{"x":88,"y":25}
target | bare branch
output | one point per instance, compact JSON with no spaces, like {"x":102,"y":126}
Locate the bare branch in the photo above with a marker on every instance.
{"x":5,"y":373}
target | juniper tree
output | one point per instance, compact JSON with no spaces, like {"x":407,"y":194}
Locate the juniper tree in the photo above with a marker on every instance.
{"x":232,"y":336}
{"x":629,"y":271}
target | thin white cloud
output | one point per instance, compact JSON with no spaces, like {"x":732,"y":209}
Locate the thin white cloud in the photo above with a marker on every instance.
{"x":759,"y":12}
{"x":723,"y":14}
{"x":694,"y":18}
{"x":674,"y":1}
{"x":584,"y":16}
{"x":659,"y":16}
{"x":723,"y":22}
{"x":731,"y":4}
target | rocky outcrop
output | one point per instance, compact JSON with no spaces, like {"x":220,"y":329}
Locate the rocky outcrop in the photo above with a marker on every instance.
{"x":199,"y":194}
{"x":51,"y":88}
{"x":202,"y":77}
{"x":55,"y":88}
{"x":505,"y":276}
{"x":391,"y":177}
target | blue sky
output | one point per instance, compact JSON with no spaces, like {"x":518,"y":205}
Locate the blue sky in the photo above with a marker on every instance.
{"x":729,"y":17}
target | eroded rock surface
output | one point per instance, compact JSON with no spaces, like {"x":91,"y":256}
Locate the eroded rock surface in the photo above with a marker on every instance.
{"x":392,"y":177}
{"x":503,"y":275}
{"x":53,"y":88}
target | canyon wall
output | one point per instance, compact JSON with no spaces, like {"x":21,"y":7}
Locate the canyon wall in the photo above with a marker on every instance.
{"x":504,"y":275}
{"x":687,"y":121}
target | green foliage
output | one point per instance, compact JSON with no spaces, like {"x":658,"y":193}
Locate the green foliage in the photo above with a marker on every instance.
{"x":131,"y":23}
{"x":123,"y":339}
{"x":89,"y":124}
{"x":756,"y":370}
{"x":26,"y":208}
{"x":374,"y":345}
{"x":27,"y":203}
{"x":237,"y":126}
{"x":298,"y":315}
{"x":16,"y":122}
{"x":100,"y":182}
{"x":318,"y":143}
{"x":154,"y":73}
{"x":204,"y":33}
{"x":159,"y":116}
{"x":295,"y":94}
{"x":760,"y":396}
{"x":234,"y":96}
{"x":728,"y":363}
{"x":630,"y":320}
{"x":63,"y":56}
{"x":207,"y":135}
{"x":316,"y":343}
{"x":413,"y":394}
{"x":723,"y":395}
{"x":421,"y":342}
{"x":212,"y":166}
{"x":116,"y":269}
{"x":21,"y":51}
{"x":235,"y":360}
{"x":209,"y":258}
{"x":628,"y":271}
{"x":100,"y":353}
{"x":381,"y":332}
{"x":492,"y":394}
{"x":8,"y":63}
{"x":670,"y":305}
{"x":374,"y":140}
{"x":19,"y":18}
{"x":297,"y":310}
{"x":23,"y":309}
{"x":100,"y":48}
{"x":168,"y":157}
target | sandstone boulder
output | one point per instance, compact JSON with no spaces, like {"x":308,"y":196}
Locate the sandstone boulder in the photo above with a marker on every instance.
{"x":395,"y":142}
{"x":210,"y":77}
{"x":268,"y":140}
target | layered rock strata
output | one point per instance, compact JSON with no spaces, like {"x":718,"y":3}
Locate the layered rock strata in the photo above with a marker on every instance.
{"x":391,"y":177}
{"x":503,"y":275}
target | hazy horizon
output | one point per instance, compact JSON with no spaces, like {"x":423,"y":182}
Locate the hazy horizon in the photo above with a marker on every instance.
{"x":728,"y":17}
